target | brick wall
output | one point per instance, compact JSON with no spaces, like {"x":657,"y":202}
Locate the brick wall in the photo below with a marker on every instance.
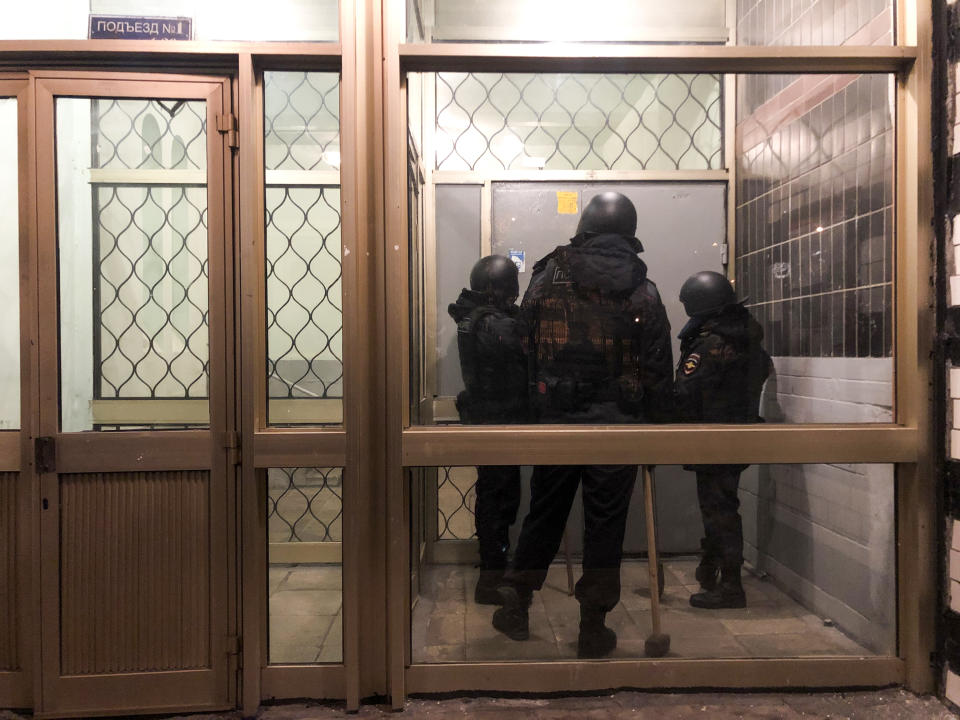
{"x":948,"y":212}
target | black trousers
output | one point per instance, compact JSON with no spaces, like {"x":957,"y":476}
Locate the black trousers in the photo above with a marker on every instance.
{"x":606,"y":500}
{"x":498,"y":499}
{"x":719,"y":508}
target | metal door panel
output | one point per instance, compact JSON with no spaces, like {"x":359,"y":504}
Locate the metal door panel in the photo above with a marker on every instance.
{"x":134,"y":525}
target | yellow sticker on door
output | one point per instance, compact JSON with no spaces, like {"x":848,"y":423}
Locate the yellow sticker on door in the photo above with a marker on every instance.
{"x":566,"y":203}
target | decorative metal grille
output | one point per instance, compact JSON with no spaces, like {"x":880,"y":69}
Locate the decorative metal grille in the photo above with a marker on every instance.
{"x":499,"y":121}
{"x":302,"y":121}
{"x":149,"y":134}
{"x":304,"y":291}
{"x":305,"y":505}
{"x":304,"y":309}
{"x":150,"y":252}
{"x":456,"y":500}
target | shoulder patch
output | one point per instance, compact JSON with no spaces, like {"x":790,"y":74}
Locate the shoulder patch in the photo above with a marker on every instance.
{"x":691,"y":363}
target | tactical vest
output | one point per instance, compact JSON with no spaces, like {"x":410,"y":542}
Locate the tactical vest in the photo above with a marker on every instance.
{"x":495,"y":384}
{"x":584,"y":340}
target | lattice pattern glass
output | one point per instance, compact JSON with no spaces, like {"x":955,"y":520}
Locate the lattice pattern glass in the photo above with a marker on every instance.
{"x":305,"y":505}
{"x":151,"y":245}
{"x":152,"y":291}
{"x":301,"y":121}
{"x":304,"y":315}
{"x":304,"y":578}
{"x":149,"y":134}
{"x":132,"y":242}
{"x":517,"y":121}
{"x":304,"y":289}
{"x":456,"y":501}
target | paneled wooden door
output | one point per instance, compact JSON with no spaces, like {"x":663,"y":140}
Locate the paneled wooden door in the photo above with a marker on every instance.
{"x":136,"y":478}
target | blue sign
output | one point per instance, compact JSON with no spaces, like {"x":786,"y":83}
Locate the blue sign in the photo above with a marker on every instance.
{"x":518,"y":258}
{"x":123,"y":27}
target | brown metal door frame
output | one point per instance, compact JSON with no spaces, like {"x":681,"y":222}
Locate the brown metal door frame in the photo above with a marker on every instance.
{"x":264,"y":447}
{"x":204,"y":450}
{"x":354,"y":445}
{"x":907,"y":442}
{"x":16,"y":686}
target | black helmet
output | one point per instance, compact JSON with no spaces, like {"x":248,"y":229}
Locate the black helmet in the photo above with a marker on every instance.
{"x":706,"y":293}
{"x":497,"y":277}
{"x":609,"y":212}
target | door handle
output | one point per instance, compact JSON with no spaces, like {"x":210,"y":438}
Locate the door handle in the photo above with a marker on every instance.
{"x":45,"y":454}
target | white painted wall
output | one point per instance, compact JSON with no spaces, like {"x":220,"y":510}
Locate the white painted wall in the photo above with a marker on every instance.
{"x":571,"y":20}
{"x":45,"y":20}
{"x":303,"y":20}
{"x":9,"y":269}
{"x":826,"y":533}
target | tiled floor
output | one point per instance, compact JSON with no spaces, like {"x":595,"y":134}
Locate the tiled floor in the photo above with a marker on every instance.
{"x":306,"y":613}
{"x":449,"y":627}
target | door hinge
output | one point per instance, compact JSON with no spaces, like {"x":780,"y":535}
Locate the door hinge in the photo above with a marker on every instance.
{"x":724,"y":254}
{"x":45,"y":454}
{"x":227,"y":125}
{"x":231,"y":443}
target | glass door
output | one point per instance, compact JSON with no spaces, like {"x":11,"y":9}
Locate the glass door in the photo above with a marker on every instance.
{"x":135,"y":417}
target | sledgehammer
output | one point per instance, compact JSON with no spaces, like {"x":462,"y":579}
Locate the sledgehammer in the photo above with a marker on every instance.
{"x":658,"y":643}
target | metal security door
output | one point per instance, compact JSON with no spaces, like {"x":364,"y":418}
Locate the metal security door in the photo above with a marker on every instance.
{"x":682,"y":228}
{"x":135,"y":426}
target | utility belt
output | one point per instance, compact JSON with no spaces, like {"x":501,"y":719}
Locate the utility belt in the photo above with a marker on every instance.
{"x":555,"y":395}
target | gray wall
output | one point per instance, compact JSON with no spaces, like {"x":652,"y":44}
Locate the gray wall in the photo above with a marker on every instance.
{"x":682,"y":226}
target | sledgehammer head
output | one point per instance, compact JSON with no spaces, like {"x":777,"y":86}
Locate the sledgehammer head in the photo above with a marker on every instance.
{"x":657,"y":645}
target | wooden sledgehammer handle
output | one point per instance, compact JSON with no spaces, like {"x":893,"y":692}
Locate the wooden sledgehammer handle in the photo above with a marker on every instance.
{"x":651,"y":548}
{"x":566,"y":552}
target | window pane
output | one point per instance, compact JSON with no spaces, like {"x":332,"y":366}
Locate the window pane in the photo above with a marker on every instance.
{"x":758,"y":22}
{"x":303,"y":20}
{"x":514,"y":162}
{"x":815,"y":230}
{"x":304,"y":278}
{"x":817,"y":572}
{"x":9,"y":268}
{"x":304,"y":520}
{"x":516,"y":121}
{"x":132,"y":245}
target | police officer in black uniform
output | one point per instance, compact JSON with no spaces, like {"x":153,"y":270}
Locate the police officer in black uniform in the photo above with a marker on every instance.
{"x":599,"y":344}
{"x":494,"y":368}
{"x":720,"y":375}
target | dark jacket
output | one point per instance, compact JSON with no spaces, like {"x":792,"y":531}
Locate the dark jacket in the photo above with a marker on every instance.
{"x":492,"y":361}
{"x":721,"y":371}
{"x":599,"y":336}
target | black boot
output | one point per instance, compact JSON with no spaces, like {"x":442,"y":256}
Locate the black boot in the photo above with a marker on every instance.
{"x":486,"y":591}
{"x":728,"y":594}
{"x":513,"y":619}
{"x":709,"y":567}
{"x":596,"y":640}
{"x":706,"y":574}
